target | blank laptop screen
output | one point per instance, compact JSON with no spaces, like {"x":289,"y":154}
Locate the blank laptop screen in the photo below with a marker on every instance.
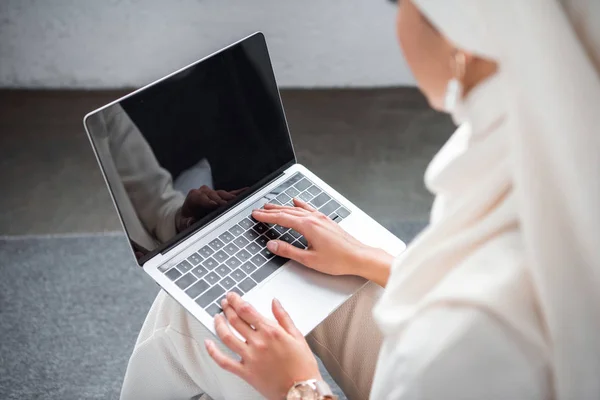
{"x":216,"y":129}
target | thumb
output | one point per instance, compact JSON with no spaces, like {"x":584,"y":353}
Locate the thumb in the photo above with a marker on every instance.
{"x":284,"y":318}
{"x":283,"y":249}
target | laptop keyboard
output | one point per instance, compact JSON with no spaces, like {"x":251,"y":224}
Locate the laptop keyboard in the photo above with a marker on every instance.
{"x":237,"y":260}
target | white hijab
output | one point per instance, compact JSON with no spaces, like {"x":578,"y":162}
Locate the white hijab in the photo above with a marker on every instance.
{"x":516,"y":219}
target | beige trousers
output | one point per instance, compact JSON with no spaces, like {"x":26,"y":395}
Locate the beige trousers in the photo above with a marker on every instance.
{"x":169,"y":360}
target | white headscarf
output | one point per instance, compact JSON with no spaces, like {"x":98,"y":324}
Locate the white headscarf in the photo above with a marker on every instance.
{"x":517,"y":214}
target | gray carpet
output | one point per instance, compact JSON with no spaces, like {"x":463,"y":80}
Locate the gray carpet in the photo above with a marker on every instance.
{"x":70,"y":311}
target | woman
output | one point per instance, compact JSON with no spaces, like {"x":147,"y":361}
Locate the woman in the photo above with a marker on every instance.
{"x":499,"y":296}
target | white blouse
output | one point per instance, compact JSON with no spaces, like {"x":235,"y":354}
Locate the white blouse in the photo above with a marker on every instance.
{"x":454,"y":352}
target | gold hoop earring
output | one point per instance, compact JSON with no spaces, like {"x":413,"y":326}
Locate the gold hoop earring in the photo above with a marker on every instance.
{"x":454,"y":89}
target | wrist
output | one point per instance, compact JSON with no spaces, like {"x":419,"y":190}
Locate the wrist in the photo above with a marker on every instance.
{"x":374,"y":265}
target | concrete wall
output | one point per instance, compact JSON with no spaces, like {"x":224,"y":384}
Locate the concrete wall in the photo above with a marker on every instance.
{"x":124,"y":43}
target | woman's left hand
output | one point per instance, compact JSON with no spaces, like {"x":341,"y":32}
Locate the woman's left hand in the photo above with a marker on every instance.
{"x":274,"y":355}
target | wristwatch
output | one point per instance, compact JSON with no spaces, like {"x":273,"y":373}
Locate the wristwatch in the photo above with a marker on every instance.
{"x":311,"y":389}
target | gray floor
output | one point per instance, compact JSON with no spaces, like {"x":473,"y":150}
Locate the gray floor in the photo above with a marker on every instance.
{"x":372,"y":145}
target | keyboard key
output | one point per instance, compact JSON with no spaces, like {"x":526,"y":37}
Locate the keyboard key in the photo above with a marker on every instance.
{"x":272,"y":234}
{"x":238,"y":275}
{"x":253,"y":248}
{"x":262,"y":241}
{"x":297,"y":176}
{"x":287,"y":238}
{"x":241,"y":242}
{"x":266,"y":253}
{"x":258,"y":260}
{"x":236,"y":230}
{"x":246,"y":223}
{"x":305,"y":196}
{"x":244,"y":255}
{"x":216,"y":244}
{"x":320,"y":200}
{"x":184,"y":266}
{"x":164,"y":268}
{"x":199,"y":271}
{"x":283,"y":198}
{"x":206,"y":251}
{"x":280,"y":229}
{"x":221,"y":256}
{"x":233,"y":263}
{"x":186,"y":281}
{"x":260,"y":228}
{"x":213,"y":310}
{"x":226,"y":237}
{"x":251,"y":235}
{"x":173,"y":274}
{"x":329,"y":207}
{"x":315,"y":191}
{"x":292,"y":192}
{"x":303,"y":185}
{"x":248,"y":267}
{"x":343,"y":212}
{"x":197,"y":289}
{"x":231,"y":249}
{"x":247,"y":284}
{"x":227,"y":282}
{"x":299,"y":245}
{"x":210,"y":263}
{"x":210,"y":295}
{"x":223,"y":270}
{"x":336,"y":218}
{"x":237,"y":290}
{"x":195,"y":259}
{"x":266,"y":270}
{"x":212,"y":278}
{"x":274,"y":201}
{"x":303,"y":241}
{"x":294,"y":233}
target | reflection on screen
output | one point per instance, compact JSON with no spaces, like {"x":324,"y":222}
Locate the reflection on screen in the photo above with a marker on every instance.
{"x":181,"y":152}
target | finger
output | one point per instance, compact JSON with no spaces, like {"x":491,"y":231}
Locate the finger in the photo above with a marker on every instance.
{"x":235,"y":321}
{"x":304,"y":205}
{"x":284,"y":318}
{"x":237,"y":191}
{"x":277,"y":207}
{"x":203,"y":201}
{"x":214,"y":196}
{"x":225,"y":195}
{"x":244,"y":310}
{"x":280,"y":218}
{"x":289,"y":210}
{"x":286,"y":250}
{"x":227,"y":336}
{"x":227,"y":363}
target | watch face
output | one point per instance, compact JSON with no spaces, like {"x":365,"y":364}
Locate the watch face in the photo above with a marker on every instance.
{"x":303,"y":392}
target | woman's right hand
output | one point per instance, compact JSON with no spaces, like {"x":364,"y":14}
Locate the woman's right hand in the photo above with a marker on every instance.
{"x":331,"y":249}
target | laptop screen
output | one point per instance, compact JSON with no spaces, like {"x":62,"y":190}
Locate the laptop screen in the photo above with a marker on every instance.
{"x":181,"y":152}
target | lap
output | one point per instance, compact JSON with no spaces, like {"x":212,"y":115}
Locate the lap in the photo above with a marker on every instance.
{"x":170,"y":361}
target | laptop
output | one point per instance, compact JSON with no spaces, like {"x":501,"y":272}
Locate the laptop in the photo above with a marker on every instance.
{"x":187,"y":158}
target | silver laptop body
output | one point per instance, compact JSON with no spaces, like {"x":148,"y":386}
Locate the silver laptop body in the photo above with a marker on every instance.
{"x":226,"y":133}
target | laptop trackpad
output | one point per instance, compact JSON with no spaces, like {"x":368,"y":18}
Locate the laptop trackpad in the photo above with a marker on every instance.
{"x":308,"y":296}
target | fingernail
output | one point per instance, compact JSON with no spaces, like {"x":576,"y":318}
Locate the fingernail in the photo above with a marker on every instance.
{"x":277,"y":301}
{"x":272,"y":245}
{"x":224,"y":303}
{"x":207,"y":342}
